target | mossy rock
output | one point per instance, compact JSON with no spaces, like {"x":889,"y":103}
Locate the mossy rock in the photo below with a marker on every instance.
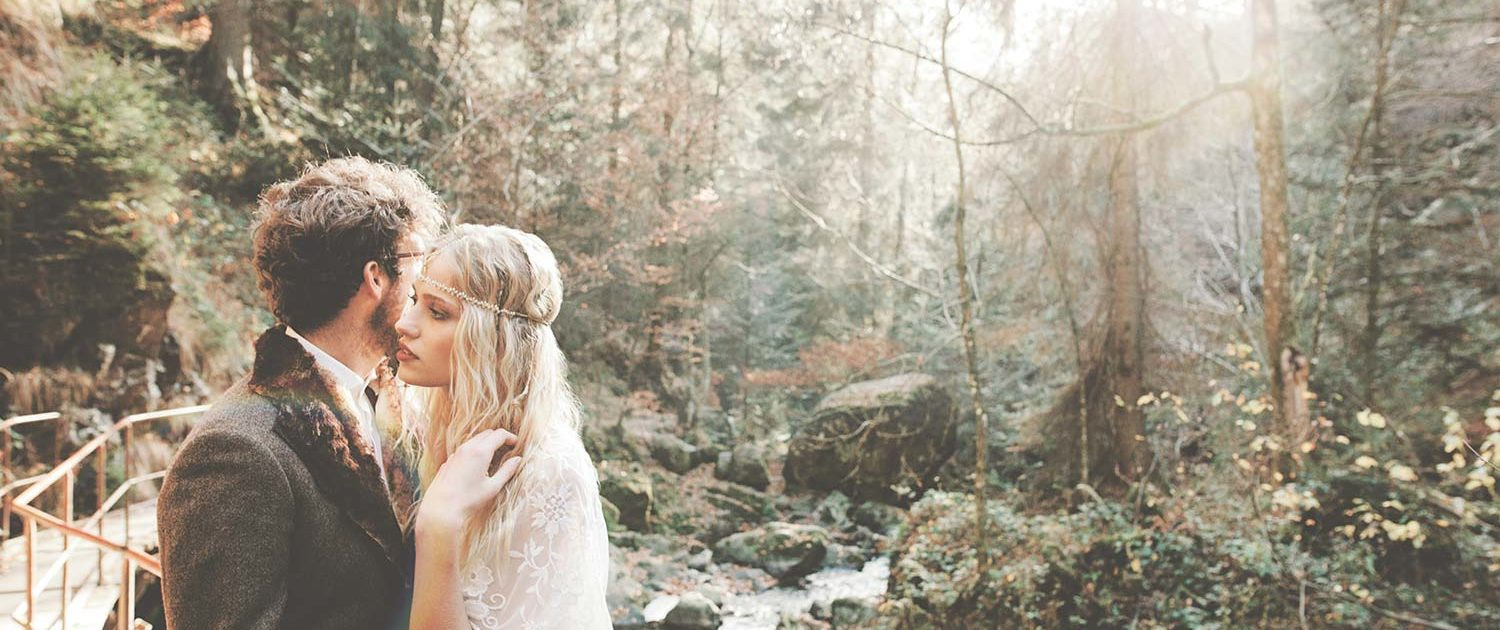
{"x":628,"y":488}
{"x":786,"y":551}
{"x":611,"y":515}
{"x":745,"y":465}
{"x":674,"y":454}
{"x":881,"y":439}
{"x":695,"y":611}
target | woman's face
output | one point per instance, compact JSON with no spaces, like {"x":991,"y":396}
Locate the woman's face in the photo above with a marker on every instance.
{"x":427,"y":327}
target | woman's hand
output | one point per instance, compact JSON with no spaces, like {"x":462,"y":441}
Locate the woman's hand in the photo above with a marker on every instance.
{"x":461,"y":490}
{"x":462,"y":487}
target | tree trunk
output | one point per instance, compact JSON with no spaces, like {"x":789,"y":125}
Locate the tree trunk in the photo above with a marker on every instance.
{"x":230,"y":65}
{"x":665,"y":169}
{"x":616,"y":91}
{"x":966,"y":321}
{"x":350,"y":15}
{"x":1369,"y":342}
{"x":1122,"y":355}
{"x":425,"y":90}
{"x":1124,"y":352}
{"x":868,"y":150}
{"x":1102,"y":425}
{"x":1290,"y":419}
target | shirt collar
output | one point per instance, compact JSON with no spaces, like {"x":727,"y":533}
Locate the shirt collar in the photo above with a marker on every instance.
{"x":342,"y":375}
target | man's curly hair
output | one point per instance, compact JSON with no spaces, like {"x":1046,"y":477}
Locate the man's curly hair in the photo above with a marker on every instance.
{"x":314,"y":234}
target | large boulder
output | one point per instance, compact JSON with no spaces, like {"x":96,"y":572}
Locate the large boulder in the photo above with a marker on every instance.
{"x":851,"y":612}
{"x":674,"y":454}
{"x":745,"y":465}
{"x":741,"y":504}
{"x":879,"y":517}
{"x":628,"y":488}
{"x":786,"y":551}
{"x":881,"y":439}
{"x":834,"y":511}
{"x":611,"y":515}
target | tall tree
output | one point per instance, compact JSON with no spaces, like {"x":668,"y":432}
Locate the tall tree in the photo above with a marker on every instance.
{"x":1120,"y":358}
{"x":229,"y":65}
{"x":966,"y":309}
{"x":1289,"y":367}
{"x":1098,"y":413}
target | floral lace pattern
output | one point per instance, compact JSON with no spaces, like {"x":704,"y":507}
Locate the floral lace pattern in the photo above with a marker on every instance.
{"x":557,"y":567}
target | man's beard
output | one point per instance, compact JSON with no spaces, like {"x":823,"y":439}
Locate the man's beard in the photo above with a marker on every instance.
{"x":383,"y":324}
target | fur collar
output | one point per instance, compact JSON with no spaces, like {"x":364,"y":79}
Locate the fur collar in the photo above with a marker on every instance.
{"x":316,"y":423}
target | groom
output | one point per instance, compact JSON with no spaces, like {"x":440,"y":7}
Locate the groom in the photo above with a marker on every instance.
{"x":277,"y":511}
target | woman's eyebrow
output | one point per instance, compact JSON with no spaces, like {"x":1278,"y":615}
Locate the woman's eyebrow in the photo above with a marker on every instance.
{"x":433,"y":297}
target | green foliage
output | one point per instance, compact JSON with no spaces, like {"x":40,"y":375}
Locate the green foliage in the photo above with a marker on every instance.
{"x":80,"y":177}
{"x":112,"y":222}
{"x":1090,"y":568}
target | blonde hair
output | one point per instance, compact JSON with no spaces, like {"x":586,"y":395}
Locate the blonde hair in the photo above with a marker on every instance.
{"x":507,"y":371}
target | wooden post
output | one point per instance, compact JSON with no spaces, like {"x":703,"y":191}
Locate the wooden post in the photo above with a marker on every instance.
{"x":5,"y":477}
{"x":67,"y":517}
{"x":28,"y":529}
{"x":125,"y":607}
{"x":99,"y":464}
{"x":125,"y":456}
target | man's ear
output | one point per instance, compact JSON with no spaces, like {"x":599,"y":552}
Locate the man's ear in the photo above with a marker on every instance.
{"x":375,"y":280}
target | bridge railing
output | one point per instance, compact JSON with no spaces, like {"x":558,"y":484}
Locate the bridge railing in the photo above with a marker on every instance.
{"x":9,"y":483}
{"x":89,"y":530}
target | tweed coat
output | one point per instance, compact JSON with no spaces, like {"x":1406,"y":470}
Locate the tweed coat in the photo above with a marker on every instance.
{"x":274,"y":515}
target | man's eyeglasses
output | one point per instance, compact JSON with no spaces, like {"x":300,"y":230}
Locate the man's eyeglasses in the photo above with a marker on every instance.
{"x":399,"y":256}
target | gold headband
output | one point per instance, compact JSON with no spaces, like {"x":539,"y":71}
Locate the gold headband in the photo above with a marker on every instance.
{"x":462,"y":295}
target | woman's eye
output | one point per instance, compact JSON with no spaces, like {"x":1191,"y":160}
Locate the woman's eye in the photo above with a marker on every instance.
{"x":437,"y":314}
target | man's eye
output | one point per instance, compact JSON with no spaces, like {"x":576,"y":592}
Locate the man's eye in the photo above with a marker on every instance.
{"x":412,"y":297}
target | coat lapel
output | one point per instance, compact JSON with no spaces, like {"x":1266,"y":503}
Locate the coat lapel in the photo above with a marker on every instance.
{"x":319,"y":426}
{"x":401,"y":477}
{"x":399,"y":453}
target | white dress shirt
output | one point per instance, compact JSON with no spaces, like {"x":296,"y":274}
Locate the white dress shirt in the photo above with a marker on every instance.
{"x":353,"y":386}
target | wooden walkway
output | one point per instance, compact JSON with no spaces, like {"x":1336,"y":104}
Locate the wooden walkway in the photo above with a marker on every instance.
{"x":91,"y":604}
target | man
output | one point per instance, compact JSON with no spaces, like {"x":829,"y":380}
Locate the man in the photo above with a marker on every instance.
{"x":277,"y":511}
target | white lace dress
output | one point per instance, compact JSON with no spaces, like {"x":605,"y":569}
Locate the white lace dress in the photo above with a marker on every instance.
{"x":557,"y":567}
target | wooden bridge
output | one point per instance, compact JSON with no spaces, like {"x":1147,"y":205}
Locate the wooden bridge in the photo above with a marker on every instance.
{"x":60,"y":571}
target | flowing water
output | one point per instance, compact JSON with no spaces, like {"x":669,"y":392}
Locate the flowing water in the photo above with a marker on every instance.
{"x":761,"y":611}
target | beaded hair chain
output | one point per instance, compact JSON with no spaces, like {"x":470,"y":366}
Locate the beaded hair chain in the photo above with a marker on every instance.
{"x":462,"y":295}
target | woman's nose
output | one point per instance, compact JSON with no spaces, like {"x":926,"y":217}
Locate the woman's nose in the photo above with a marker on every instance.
{"x":404,"y":325}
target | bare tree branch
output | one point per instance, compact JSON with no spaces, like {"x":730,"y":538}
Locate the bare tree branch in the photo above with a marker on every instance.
{"x":822,"y":224}
{"x":1386,"y":36}
{"x":1220,"y":88}
{"x":1005,"y":94}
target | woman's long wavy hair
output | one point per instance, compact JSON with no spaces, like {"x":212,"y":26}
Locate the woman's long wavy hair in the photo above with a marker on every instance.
{"x":507,"y":371}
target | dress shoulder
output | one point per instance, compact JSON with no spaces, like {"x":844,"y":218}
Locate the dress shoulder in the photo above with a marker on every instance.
{"x":553,"y":569}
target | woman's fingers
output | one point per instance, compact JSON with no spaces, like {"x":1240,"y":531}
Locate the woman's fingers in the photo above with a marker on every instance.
{"x":464,"y":485}
{"x":503,"y":474}
{"x":485,"y":449}
{"x":485,"y":442}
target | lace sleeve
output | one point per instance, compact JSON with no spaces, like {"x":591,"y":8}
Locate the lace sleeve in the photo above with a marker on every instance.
{"x":555,"y":569}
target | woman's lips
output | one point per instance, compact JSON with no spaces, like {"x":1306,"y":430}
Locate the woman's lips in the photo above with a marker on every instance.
{"x":405,"y":356}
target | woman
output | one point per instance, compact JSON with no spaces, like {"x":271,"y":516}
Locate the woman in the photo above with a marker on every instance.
{"x":526,"y":547}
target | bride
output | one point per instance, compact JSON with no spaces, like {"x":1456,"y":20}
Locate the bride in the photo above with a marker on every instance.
{"x":526,"y":547}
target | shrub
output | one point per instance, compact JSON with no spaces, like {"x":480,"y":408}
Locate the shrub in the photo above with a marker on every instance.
{"x":1090,"y":568}
{"x":77,"y":176}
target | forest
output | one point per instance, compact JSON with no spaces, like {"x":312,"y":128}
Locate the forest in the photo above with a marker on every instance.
{"x":883,"y":314}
